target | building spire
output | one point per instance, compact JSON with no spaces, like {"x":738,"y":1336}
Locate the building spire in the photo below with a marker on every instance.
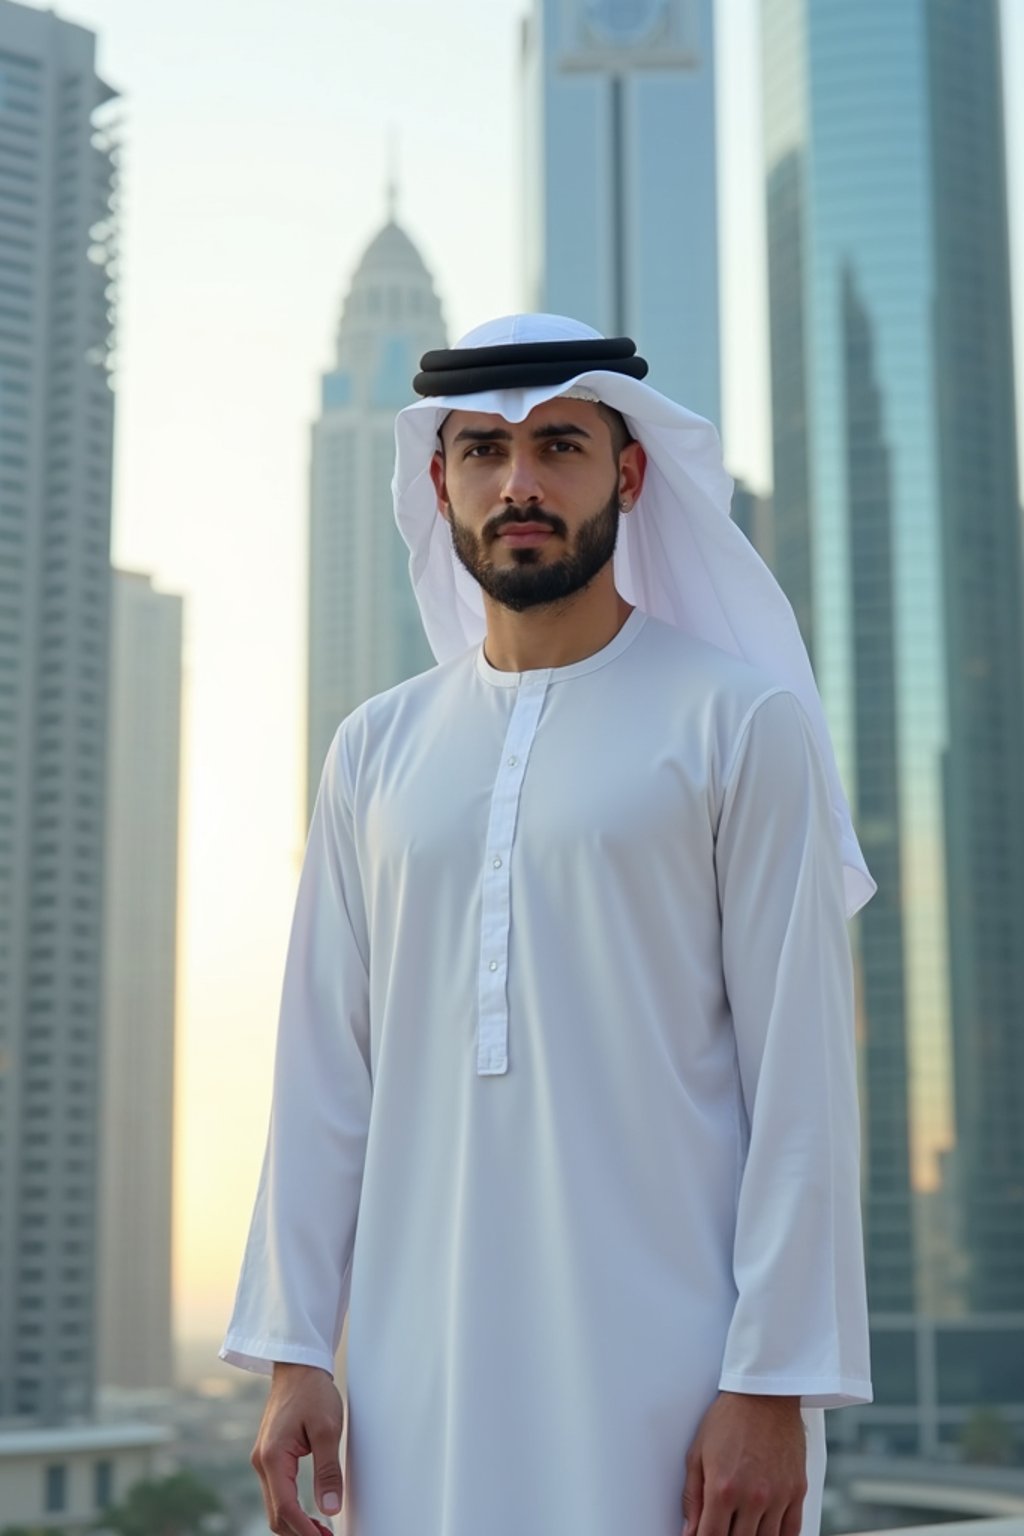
{"x":392,"y":183}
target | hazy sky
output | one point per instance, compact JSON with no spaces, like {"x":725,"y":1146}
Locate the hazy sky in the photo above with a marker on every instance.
{"x":254,"y":169}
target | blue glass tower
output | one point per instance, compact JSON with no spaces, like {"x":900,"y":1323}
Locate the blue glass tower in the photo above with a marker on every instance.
{"x":898,"y":542}
{"x":620,"y":201}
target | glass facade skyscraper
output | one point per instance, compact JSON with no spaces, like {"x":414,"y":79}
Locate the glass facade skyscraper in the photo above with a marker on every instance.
{"x":898,"y":541}
{"x":619,"y":154}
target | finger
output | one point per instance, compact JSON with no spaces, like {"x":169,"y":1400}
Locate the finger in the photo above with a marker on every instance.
{"x":280,"y":1469}
{"x":266,"y":1502}
{"x":256,"y":1461}
{"x":746,"y":1521}
{"x":328,"y":1485}
{"x":792,"y":1520}
{"x":292,"y":1520}
{"x":693,"y":1493}
{"x":771,"y":1522}
{"x":718,"y":1508}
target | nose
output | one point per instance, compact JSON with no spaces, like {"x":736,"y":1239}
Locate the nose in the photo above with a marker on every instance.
{"x":521,"y":484}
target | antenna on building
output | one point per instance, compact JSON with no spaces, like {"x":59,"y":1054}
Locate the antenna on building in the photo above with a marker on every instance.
{"x":392,"y":186}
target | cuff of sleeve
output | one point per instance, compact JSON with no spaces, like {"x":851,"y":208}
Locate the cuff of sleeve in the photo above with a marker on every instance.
{"x":813,"y":1391}
{"x":260,"y":1355}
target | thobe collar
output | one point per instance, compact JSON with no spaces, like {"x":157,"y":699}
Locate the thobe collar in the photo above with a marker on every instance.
{"x":620,"y":641}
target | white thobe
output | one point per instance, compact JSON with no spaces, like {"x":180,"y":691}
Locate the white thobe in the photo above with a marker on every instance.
{"x":565,"y":1108}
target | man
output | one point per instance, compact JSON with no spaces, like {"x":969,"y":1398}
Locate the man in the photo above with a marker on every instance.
{"x":564,"y":1110}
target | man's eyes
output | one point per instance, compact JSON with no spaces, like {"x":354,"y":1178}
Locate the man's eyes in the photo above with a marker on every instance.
{"x":483,"y":450}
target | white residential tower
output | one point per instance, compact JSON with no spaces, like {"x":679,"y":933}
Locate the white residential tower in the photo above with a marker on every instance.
{"x":144,"y":785}
{"x":365,"y":633}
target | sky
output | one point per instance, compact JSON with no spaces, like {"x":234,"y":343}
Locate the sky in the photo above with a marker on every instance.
{"x":256,"y":144}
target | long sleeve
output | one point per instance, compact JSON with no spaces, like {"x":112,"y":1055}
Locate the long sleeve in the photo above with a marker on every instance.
{"x":293,"y":1290}
{"x":800,"y":1322}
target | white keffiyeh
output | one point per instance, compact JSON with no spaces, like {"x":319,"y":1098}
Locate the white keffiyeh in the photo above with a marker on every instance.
{"x":679,"y":555}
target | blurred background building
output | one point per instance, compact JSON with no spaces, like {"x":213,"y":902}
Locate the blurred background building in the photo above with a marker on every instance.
{"x":365,"y":633}
{"x":58,"y":236}
{"x":898,"y":542}
{"x":144,"y":786}
{"x":620,"y":201}
{"x":58,"y":194}
{"x":753,"y":514}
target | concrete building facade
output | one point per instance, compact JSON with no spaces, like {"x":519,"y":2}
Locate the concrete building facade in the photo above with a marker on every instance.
{"x":58,"y":228}
{"x":144,"y":789}
{"x":63,"y":1479}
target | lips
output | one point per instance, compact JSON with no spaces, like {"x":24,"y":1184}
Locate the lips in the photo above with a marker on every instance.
{"x":521,"y":533}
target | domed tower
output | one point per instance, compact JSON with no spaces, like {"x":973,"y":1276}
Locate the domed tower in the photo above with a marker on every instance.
{"x":365,"y":633}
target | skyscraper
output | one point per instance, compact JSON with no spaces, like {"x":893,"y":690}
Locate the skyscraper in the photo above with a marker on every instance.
{"x":58,"y":181}
{"x":753,"y":514}
{"x":365,"y":633}
{"x":898,"y":541}
{"x":144,"y":784}
{"x":620,"y":214}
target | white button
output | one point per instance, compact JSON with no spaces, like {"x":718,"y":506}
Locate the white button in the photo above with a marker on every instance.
{"x":497,"y":864}
{"x":494,"y":965}
{"x":512,"y":761}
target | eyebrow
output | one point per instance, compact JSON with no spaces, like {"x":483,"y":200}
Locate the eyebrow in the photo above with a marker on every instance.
{"x":500,"y":435}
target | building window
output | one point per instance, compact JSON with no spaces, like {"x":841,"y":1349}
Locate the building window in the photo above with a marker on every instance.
{"x":104,"y":1484}
{"x":56,"y":1488}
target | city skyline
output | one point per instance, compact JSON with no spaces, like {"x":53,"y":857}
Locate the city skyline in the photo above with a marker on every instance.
{"x":229,"y":298}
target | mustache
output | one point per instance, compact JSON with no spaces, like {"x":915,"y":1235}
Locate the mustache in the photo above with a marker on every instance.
{"x":512,"y":515}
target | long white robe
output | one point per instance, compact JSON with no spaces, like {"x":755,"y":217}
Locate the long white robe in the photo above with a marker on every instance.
{"x":565,"y":1110}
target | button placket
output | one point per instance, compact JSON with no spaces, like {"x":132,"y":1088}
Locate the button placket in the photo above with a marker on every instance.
{"x":492,"y":1026}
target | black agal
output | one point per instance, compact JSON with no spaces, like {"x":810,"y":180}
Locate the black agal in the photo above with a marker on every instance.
{"x":518,"y":365}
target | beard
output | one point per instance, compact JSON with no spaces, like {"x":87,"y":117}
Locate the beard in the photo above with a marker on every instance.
{"x":531,"y":581}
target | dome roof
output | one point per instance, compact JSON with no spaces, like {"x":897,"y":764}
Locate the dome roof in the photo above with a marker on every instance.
{"x":391,"y":303}
{"x":390,"y":253}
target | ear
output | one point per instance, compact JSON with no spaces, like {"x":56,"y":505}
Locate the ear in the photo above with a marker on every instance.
{"x":632,"y":468}
{"x":437,"y":475}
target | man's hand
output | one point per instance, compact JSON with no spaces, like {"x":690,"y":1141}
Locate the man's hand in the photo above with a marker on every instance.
{"x":304,"y":1413}
{"x":747,"y":1465}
